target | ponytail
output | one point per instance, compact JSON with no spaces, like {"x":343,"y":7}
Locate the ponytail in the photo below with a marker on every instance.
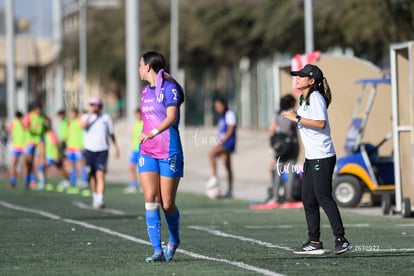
{"x":326,"y":92}
{"x":323,"y":88}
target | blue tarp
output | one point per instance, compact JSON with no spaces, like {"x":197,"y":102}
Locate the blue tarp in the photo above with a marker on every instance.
{"x":374,"y":81}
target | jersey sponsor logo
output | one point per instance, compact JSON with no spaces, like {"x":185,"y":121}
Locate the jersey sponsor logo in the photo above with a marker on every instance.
{"x":173,"y":163}
{"x":148,"y":100}
{"x":148,"y":108}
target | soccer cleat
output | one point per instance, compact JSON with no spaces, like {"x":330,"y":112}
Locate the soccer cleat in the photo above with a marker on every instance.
{"x":169,"y":251}
{"x":157,"y":257}
{"x":86,"y":193}
{"x":63,"y":185}
{"x":33,"y":185}
{"x":341,"y":246}
{"x":98,"y":205}
{"x":228,"y":195}
{"x":212,"y":182}
{"x":130,"y":190}
{"x":40,"y":186}
{"x":82,"y":184}
{"x":50,"y":187}
{"x":310,"y":248}
{"x":72,"y":191}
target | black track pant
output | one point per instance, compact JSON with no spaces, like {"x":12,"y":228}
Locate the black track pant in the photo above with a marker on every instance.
{"x":317,"y":192}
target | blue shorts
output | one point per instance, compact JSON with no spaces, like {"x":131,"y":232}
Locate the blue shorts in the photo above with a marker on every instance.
{"x":229,"y":146}
{"x":134,"y":157}
{"x":53,"y":162}
{"x":17,"y":153}
{"x":96,"y":161}
{"x":74,"y":156}
{"x":31,"y":149}
{"x":172,"y":167}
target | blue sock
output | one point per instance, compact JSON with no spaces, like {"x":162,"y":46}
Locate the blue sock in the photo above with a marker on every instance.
{"x":173,"y":222}
{"x":13,"y":180}
{"x":153,"y":220}
{"x":42,"y":179}
{"x":27,"y":180}
{"x":32,"y":177}
{"x":73,"y":177}
{"x":133,"y":184}
{"x":84,"y":174}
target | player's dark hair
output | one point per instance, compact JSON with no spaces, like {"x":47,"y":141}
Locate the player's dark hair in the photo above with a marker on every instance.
{"x":18,"y":114}
{"x":157,"y":62}
{"x":323,"y":88}
{"x":287,"y":102}
{"x":223,"y":101}
{"x":75,"y":110}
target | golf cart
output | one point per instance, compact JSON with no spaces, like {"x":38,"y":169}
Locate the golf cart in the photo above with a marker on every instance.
{"x":362,"y":169}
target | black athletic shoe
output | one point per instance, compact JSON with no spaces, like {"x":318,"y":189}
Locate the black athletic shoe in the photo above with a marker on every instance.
{"x":341,"y":246}
{"x":311,"y":248}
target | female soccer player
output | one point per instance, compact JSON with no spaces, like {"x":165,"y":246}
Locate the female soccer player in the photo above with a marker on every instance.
{"x":18,"y":138}
{"x":227,"y":144}
{"x":320,"y":158}
{"x":161,"y":155}
{"x":134,"y":187}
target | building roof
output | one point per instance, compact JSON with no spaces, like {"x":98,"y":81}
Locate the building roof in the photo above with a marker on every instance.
{"x":29,"y":50}
{"x":34,"y":51}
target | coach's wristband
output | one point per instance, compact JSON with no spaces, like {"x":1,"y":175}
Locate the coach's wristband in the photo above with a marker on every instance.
{"x":154,"y":132}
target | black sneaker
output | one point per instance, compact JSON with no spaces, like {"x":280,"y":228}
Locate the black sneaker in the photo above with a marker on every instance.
{"x":341,"y":246}
{"x":311,"y":248}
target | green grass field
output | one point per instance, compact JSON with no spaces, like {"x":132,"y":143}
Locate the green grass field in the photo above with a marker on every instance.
{"x":49,"y":233}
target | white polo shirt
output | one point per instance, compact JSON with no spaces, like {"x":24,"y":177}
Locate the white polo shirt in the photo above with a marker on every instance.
{"x":317,"y":142}
{"x":96,"y":135}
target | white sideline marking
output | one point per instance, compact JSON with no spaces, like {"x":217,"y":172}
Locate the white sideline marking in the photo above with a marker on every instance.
{"x":136,"y":240}
{"x":360,"y":225}
{"x":268,"y":227}
{"x":267,"y":244}
{"x":406,"y":225}
{"x":106,"y":210}
{"x":395,"y":250}
{"x":241,"y":238}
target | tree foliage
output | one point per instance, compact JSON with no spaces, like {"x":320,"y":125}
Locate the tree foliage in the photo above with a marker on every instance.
{"x":219,"y":32}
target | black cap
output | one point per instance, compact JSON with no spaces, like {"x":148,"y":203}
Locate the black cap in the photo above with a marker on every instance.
{"x":311,"y":71}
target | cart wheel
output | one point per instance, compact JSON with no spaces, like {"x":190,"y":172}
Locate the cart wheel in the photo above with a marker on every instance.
{"x":347,"y":191}
{"x":386,"y":204}
{"x":406,"y":207}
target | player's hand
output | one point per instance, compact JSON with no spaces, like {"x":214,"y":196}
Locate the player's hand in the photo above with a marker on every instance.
{"x":291,"y":115}
{"x":143,"y":137}
{"x":117,"y":152}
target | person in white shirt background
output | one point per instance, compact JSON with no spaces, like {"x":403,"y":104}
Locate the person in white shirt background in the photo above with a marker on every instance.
{"x":98,"y":128}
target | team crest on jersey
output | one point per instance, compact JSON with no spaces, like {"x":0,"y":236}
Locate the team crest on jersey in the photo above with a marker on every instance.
{"x":160,"y":97}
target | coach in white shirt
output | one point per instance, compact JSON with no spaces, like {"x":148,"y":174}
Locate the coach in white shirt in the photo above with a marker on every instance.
{"x":320,"y":159}
{"x":98,"y":129}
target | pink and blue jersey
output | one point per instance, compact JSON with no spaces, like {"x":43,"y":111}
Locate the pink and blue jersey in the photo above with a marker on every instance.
{"x":154,"y":110}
